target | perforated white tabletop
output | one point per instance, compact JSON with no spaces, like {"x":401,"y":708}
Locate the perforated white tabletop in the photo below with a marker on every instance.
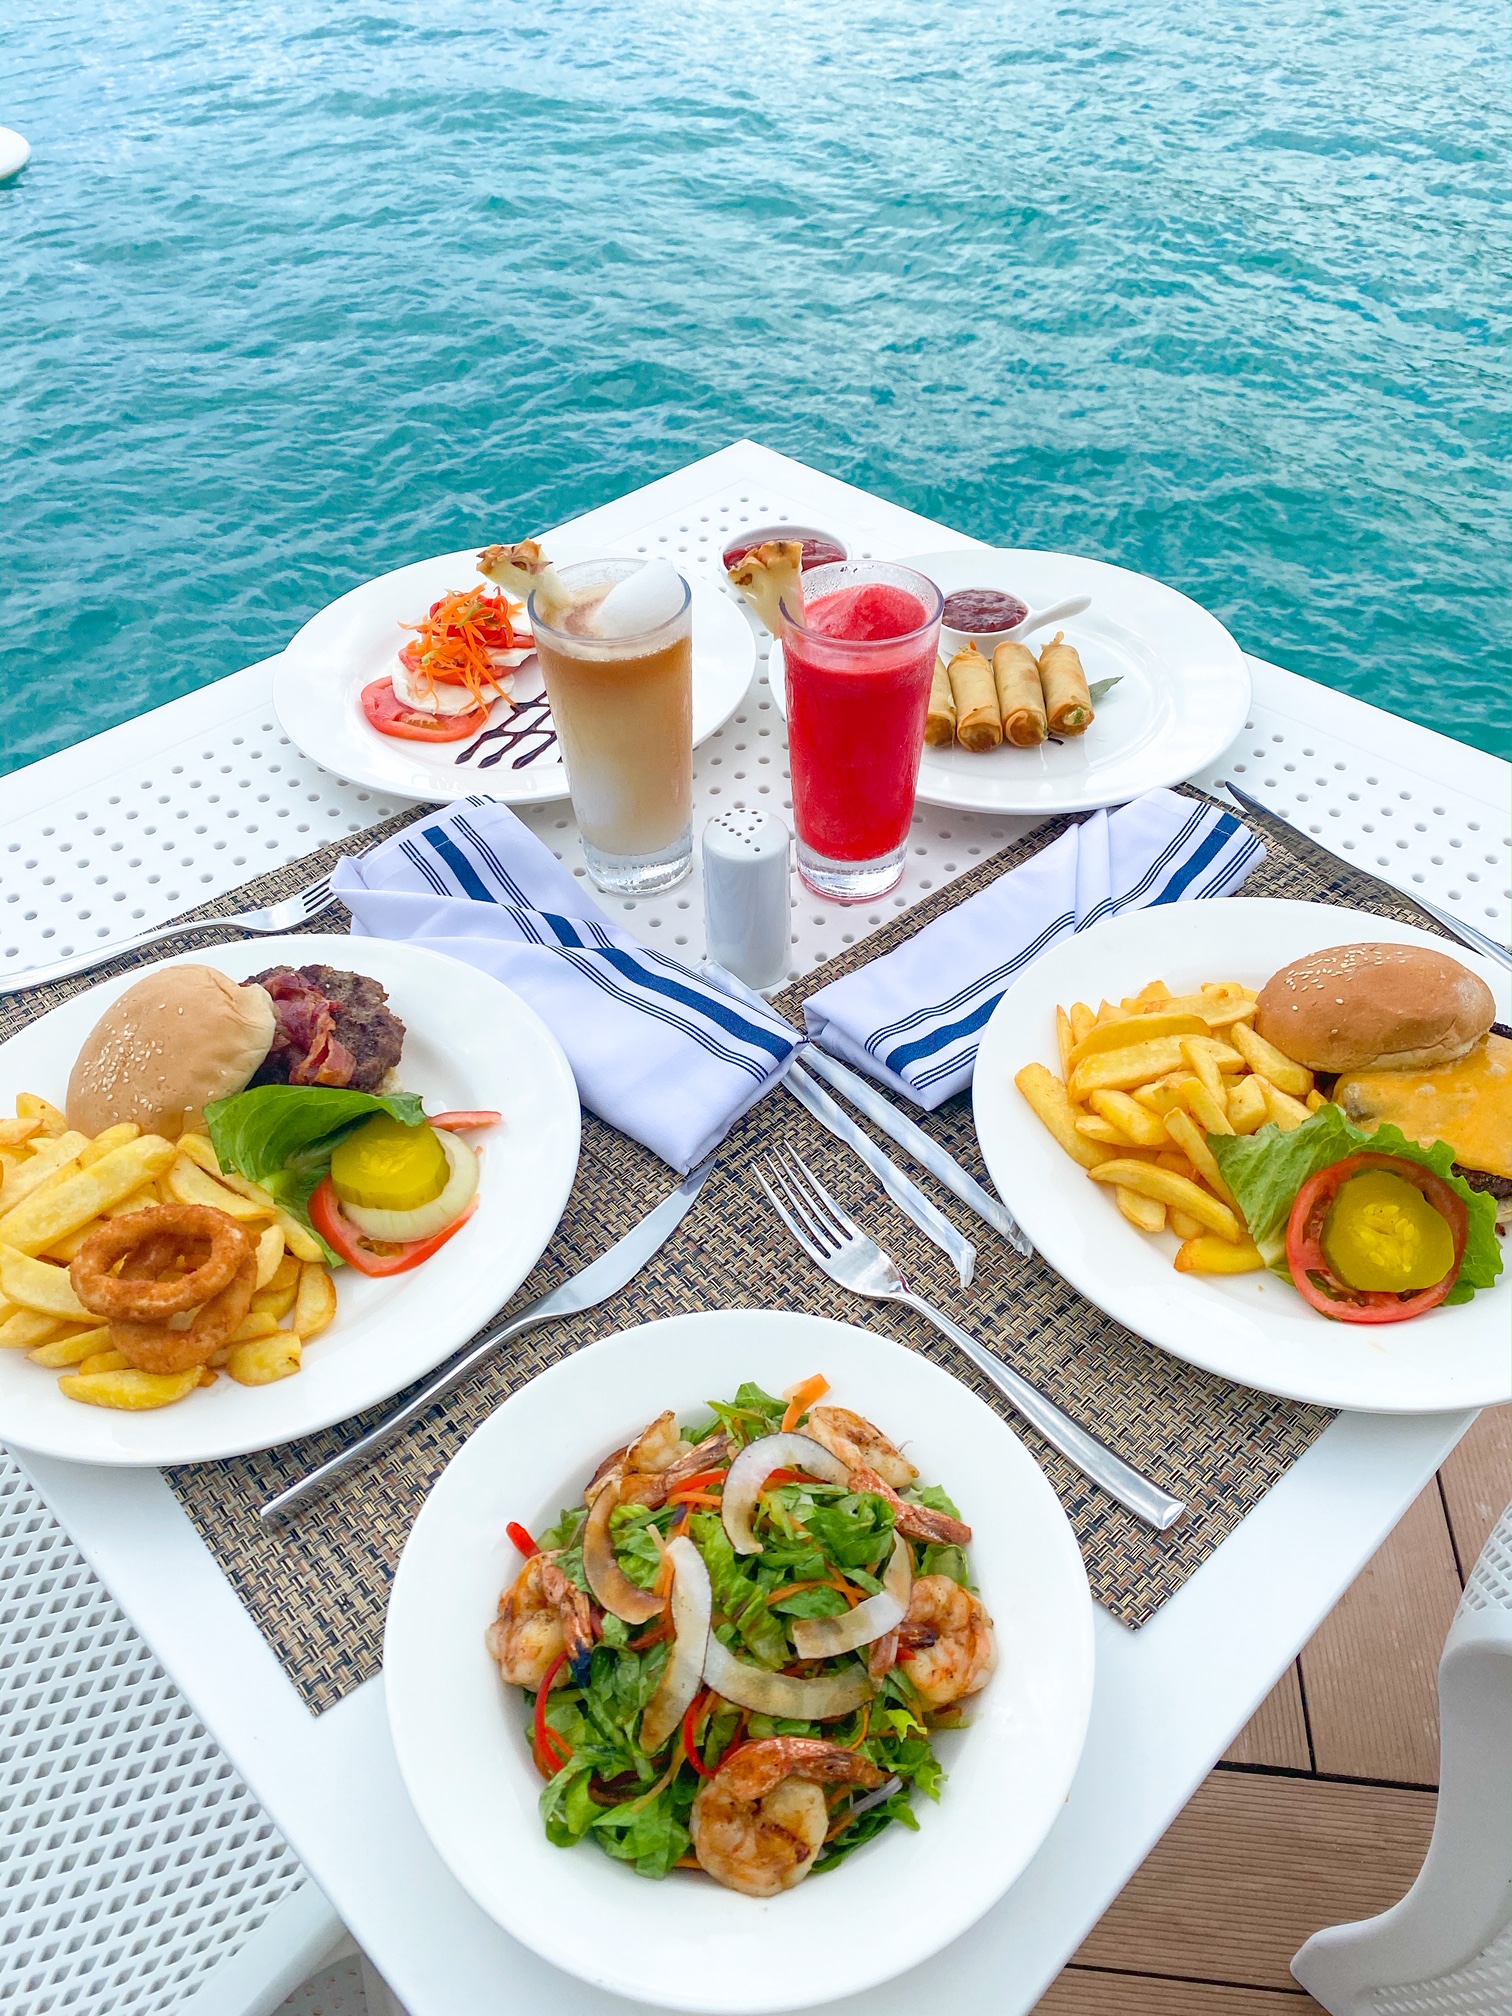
{"x":189,"y":801}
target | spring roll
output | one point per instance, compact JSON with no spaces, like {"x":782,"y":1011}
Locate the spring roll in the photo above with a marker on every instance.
{"x":1068,"y":703}
{"x":1021,"y":701}
{"x":768,"y":576}
{"x":978,"y":723}
{"x":940,"y":722}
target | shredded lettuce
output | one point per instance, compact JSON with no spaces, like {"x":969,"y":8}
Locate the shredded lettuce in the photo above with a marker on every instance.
{"x":1265,"y":1171}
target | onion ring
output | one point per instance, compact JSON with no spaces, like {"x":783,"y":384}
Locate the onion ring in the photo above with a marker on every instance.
{"x":157,"y":1347}
{"x":131,"y":1296}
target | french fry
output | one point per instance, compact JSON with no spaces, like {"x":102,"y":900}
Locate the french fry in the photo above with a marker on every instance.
{"x":66,"y":1351}
{"x":1177,"y":1163}
{"x":1148,"y":1179}
{"x":14,"y":1132}
{"x":315,"y":1304}
{"x":32,"y":1106}
{"x":1065,"y":1042}
{"x":302,"y":1244}
{"x":1314,"y":1100}
{"x":1122,"y":1069}
{"x":104,"y":1361}
{"x":1117,"y":1035}
{"x":277,"y":1299}
{"x":24,"y":1329}
{"x":1153,"y":990}
{"x":1164,"y":1093}
{"x":269,"y":1358}
{"x":1209,"y":1111}
{"x":51,"y":1157}
{"x":256,"y":1323}
{"x":139,"y":1200}
{"x":1047,"y":1095}
{"x":270,"y":1255}
{"x":1280,"y":1106}
{"x":129,"y":1389}
{"x":1093,"y":1127}
{"x":112,"y":1137}
{"x":1218,"y":1011}
{"x":48,"y":1215}
{"x":190,"y":1185}
{"x":33,"y":1284}
{"x":1184,"y":1227}
{"x":206,"y":1376}
{"x":1082,"y":1019}
{"x":1266,"y":1061}
{"x":1135,"y":1122}
{"x":200,"y":1151}
{"x":1148,"y":1214}
{"x":1246,"y":1107}
{"x":1106,"y":1012}
{"x":1184,"y":1132}
{"x":1218,"y":1256}
{"x":1198,"y":1053}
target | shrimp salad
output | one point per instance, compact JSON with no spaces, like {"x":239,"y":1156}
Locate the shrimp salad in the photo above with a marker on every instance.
{"x":737,"y":1648}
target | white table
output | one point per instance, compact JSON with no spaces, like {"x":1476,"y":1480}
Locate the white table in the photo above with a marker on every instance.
{"x":226,"y":795}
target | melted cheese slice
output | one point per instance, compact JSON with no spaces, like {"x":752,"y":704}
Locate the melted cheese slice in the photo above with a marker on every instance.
{"x":1464,"y":1103}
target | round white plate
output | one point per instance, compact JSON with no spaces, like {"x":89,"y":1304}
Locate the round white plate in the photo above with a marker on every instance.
{"x":1253,"y":1328}
{"x":686,"y":1943}
{"x":318,"y":682}
{"x":1183,"y":694}
{"x":469,"y":1042}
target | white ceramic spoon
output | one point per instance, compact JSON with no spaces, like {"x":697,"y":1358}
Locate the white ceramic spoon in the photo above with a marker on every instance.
{"x":1037,"y":619}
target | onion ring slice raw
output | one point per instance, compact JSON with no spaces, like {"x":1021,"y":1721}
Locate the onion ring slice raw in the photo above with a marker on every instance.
{"x":823,"y":1699}
{"x":828,"y":1637}
{"x":145,"y":1300}
{"x":692,"y":1609}
{"x":755,"y":1464}
{"x":608,"y":1581}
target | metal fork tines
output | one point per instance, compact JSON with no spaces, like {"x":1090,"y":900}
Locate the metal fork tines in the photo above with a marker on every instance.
{"x":287,"y":915}
{"x":834,"y":1242}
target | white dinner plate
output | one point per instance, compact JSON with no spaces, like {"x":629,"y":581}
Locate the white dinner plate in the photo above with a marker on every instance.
{"x":469,"y":1042}
{"x":1182,"y":697}
{"x":318,"y":682}
{"x":1253,"y":1328}
{"x":686,"y":1942}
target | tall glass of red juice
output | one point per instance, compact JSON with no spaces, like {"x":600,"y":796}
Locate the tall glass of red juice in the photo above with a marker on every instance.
{"x":858,"y":660}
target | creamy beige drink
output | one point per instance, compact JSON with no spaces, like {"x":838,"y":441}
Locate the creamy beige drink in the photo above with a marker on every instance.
{"x":618,"y":663}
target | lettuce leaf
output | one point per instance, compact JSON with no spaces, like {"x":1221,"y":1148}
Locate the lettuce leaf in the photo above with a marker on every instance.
{"x":1265,"y":1171}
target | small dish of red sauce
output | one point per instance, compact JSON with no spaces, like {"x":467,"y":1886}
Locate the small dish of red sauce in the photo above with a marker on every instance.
{"x":982,"y":612}
{"x":820,"y":549}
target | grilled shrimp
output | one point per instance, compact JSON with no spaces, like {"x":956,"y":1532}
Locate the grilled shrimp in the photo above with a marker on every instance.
{"x":657,"y":1461}
{"x":914,"y":1522}
{"x":859,"y":1445}
{"x":945,"y":1642}
{"x":541,"y":1615}
{"x":759,"y":1823}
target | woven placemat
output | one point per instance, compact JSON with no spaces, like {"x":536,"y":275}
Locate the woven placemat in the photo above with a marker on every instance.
{"x":317,"y":1587}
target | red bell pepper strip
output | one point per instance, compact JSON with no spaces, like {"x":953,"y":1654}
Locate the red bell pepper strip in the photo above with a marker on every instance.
{"x":521,"y":1539}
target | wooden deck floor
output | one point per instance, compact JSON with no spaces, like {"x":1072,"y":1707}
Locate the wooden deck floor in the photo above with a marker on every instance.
{"x":1322,"y":1809}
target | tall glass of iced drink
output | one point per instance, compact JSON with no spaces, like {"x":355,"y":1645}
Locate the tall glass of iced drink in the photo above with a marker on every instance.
{"x":858,"y":663}
{"x":618,"y":662}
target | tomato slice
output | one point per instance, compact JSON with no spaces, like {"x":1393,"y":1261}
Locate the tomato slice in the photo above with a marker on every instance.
{"x":387,"y":713}
{"x":370,"y":1257}
{"x":1316,"y":1279}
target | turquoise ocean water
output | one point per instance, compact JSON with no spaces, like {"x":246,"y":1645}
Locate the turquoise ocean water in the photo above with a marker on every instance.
{"x":294,"y":293}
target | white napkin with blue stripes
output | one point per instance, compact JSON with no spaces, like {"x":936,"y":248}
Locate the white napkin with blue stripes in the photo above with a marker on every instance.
{"x":656,"y":1051}
{"x":914,"y":1017}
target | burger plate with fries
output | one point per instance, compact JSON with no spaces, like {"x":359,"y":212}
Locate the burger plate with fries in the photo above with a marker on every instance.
{"x":1269,"y":1138}
{"x":252,"y":1191}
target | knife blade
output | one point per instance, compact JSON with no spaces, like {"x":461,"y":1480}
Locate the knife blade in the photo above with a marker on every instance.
{"x":1305,"y":844}
{"x":588,"y":1287}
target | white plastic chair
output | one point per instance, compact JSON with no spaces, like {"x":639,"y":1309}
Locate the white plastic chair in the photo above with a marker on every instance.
{"x":1445,"y":1950}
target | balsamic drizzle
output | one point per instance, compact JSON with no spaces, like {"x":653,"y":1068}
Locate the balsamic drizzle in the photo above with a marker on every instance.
{"x":512,"y":731}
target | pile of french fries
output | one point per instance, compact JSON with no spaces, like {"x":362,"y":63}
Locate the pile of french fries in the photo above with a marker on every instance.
{"x":57,"y":1186}
{"x":1142,"y":1086}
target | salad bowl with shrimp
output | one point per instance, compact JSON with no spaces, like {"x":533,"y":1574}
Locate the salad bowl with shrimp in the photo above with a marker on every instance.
{"x":682,"y":1640}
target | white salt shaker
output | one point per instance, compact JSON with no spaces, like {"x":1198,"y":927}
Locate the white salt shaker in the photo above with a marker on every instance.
{"x":747,"y":913}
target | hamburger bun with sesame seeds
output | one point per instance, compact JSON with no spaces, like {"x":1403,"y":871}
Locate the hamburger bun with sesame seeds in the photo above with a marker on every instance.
{"x":1374,"y":1007}
{"x":179,"y":1038}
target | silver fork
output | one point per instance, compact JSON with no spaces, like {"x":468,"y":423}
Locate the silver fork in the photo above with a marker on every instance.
{"x":839,"y":1246}
{"x":284,"y":916}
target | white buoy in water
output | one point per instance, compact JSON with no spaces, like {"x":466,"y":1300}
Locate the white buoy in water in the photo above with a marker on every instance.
{"x":15,"y":152}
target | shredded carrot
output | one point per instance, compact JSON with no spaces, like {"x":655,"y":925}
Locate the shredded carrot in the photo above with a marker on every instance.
{"x":860,"y":1736}
{"x":835,"y":1582}
{"x":661,"y":1629}
{"x":453,"y":642}
{"x":695,"y":1498}
{"x":800,"y":1398}
{"x":663,"y":1580}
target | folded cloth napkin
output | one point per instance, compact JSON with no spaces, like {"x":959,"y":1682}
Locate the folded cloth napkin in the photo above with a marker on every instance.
{"x":914,"y":1017}
{"x":656,"y":1051}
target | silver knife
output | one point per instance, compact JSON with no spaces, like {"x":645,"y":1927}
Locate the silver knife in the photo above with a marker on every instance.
{"x":906,"y":1194}
{"x":591,"y":1285}
{"x":1467,"y":934}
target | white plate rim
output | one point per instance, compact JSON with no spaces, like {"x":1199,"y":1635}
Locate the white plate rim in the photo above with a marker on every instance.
{"x":468,"y":1288}
{"x":330,"y":733}
{"x":410,"y":1675}
{"x":991,"y":785}
{"x":1199,"y":1325}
